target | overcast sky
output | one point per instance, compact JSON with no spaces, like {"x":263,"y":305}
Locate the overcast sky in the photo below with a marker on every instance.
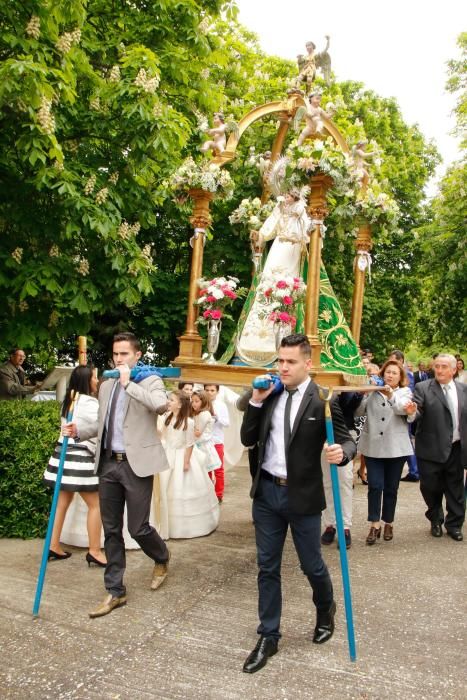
{"x":398,"y":49}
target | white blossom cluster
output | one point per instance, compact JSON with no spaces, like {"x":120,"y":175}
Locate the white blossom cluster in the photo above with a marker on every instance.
{"x":23,"y":306}
{"x":33,"y":27}
{"x":125,"y":231}
{"x":54,"y":252}
{"x":95,"y":103}
{"x":45,"y":117}
{"x":66,"y":40}
{"x":90,"y":184}
{"x":83,"y":266}
{"x":148,"y":84}
{"x":102,"y":195}
{"x":17,"y":255}
{"x":157,"y":110}
{"x":203,"y":26}
{"x":113,"y":179}
{"x":59,"y":165}
{"x":114,"y":75}
{"x":205,"y":73}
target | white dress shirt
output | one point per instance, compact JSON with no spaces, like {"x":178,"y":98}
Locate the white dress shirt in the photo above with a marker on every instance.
{"x":452,"y":391}
{"x":274,"y":455}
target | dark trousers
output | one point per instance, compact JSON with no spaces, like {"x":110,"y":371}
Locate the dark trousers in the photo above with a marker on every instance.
{"x":383,"y":474}
{"x":272,"y":518}
{"x":444,"y":478}
{"x":118,"y":484}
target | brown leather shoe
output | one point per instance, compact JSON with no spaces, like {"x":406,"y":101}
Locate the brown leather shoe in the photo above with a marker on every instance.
{"x":107,"y":605}
{"x":373,"y":535}
{"x":388,"y":532}
{"x":159,"y":574}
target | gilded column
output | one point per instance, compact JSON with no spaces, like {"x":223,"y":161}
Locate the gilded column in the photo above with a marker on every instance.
{"x":82,"y":350}
{"x":363,"y":245}
{"x":318,"y":211}
{"x":191,"y":341}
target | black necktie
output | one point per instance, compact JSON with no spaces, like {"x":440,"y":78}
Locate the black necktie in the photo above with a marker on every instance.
{"x":111,"y":421}
{"x":288,"y":406}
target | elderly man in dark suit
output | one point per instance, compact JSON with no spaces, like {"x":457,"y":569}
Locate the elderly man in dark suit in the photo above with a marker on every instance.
{"x":441,"y":445}
{"x":287,"y":433}
{"x":12,"y":377}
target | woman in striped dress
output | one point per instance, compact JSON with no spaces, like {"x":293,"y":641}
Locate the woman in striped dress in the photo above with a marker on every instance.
{"x":78,"y":473}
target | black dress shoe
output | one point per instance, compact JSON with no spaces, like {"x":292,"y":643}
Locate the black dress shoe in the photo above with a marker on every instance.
{"x":456,"y":535}
{"x":266,"y":647}
{"x":410,"y":477}
{"x":324,"y":625}
{"x":436,"y":530}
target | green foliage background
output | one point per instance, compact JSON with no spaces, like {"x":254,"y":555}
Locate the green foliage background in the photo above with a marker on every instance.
{"x":28,"y":433}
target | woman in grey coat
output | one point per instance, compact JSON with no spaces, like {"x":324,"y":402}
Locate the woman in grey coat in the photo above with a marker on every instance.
{"x":385,"y":444}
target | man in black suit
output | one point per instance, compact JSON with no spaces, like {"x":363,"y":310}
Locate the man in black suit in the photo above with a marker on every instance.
{"x":288,"y":432}
{"x":441,"y":445}
{"x":421,"y":374}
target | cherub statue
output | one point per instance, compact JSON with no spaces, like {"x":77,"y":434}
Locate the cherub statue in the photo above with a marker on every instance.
{"x":308,"y":64}
{"x":264,"y":165}
{"x":313,"y":114}
{"x":218,"y":141}
{"x":357,"y":163}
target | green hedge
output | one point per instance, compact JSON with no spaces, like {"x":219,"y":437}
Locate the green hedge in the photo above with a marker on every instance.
{"x":28,"y":432}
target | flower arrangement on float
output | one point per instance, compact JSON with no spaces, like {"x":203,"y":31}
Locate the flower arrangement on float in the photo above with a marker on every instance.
{"x":280,"y":296}
{"x":214,"y":296}
{"x":205,"y":176}
{"x":251,"y":213}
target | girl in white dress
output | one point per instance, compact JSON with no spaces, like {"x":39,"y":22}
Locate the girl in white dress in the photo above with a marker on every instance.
{"x":188,"y":504}
{"x":204,"y":418}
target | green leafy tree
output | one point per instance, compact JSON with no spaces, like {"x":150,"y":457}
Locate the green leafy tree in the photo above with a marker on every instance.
{"x":97,"y":101}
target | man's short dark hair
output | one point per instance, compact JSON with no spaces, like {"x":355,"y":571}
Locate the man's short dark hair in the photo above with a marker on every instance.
{"x":130,"y":337}
{"x":398,"y":354}
{"x":297,"y":340}
{"x":211,"y":384}
{"x":181,"y":385}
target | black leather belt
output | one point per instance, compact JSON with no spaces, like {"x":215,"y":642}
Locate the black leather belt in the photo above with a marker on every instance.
{"x":279,"y":480}
{"x":119,"y":456}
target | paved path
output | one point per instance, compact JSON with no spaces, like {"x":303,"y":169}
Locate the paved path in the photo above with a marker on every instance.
{"x":188,"y":640}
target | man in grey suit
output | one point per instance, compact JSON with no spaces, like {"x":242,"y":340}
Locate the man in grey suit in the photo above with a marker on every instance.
{"x":12,"y":377}
{"x":441,"y":445}
{"x":128,"y":454}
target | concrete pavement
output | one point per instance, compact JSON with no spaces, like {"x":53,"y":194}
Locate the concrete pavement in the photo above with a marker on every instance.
{"x":188,"y":640}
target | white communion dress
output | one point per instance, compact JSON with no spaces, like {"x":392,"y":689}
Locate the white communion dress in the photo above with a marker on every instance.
{"x":289,"y":225}
{"x":185,"y":502}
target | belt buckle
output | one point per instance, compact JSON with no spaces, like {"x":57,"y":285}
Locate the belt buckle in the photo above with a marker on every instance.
{"x":281,"y":481}
{"x":120,"y":456}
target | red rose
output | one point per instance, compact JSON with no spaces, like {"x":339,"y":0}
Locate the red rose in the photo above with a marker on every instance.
{"x":288,"y":301}
{"x":281,"y":284}
{"x":207,"y":313}
{"x":210,"y":299}
{"x":216,"y":314}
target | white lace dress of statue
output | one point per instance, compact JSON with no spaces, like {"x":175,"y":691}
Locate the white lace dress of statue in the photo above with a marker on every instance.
{"x":289,"y":226}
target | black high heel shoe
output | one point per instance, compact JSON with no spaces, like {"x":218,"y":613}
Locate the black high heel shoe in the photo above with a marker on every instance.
{"x":56,"y":555}
{"x":92,"y":560}
{"x":364,"y":481}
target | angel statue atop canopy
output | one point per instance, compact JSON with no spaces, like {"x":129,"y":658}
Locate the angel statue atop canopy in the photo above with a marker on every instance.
{"x":313,"y":114}
{"x":218,"y":133}
{"x":308,"y":64}
{"x":357,"y":163}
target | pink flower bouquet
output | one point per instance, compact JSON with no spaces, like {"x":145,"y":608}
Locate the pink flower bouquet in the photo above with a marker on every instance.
{"x":215,"y":295}
{"x":280,"y":296}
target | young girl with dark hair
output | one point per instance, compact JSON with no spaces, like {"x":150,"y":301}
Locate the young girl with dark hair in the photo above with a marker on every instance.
{"x":186,"y":505}
{"x":78,"y":473}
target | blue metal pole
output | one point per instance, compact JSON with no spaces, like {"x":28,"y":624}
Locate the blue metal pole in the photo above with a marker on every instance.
{"x":341,"y":535}
{"x":53,"y":509}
